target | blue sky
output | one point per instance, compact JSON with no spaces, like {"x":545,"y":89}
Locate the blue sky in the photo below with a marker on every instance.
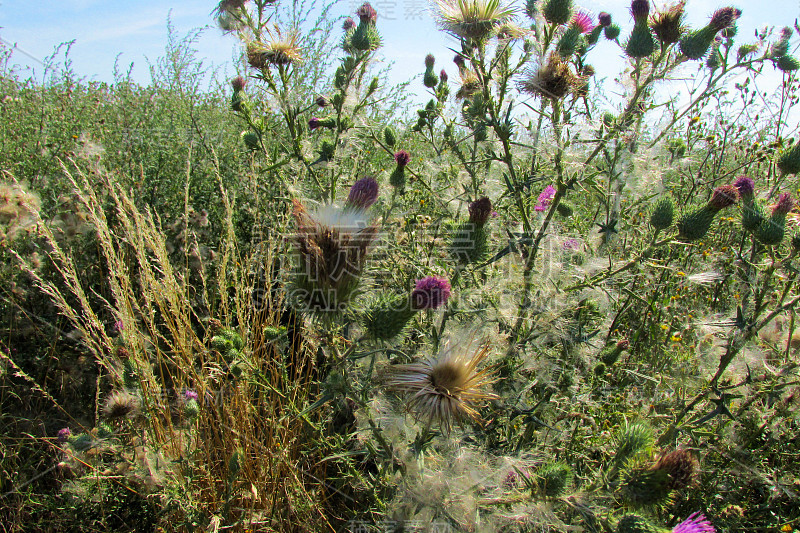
{"x":135,"y":31}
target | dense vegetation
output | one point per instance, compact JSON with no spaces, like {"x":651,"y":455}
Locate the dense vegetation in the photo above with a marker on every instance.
{"x":285,"y":305}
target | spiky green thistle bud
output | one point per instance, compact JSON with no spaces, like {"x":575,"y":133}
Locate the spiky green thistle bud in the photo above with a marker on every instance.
{"x":714,"y":59}
{"x":553,"y":478}
{"x":752,"y":214}
{"x":238,"y":101}
{"x":695,"y":44}
{"x":632,"y":439}
{"x":191,"y":409}
{"x":568,"y":42}
{"x":600,"y":369}
{"x":398,"y":177}
{"x":611,"y":352}
{"x":389,"y":137}
{"x":787,"y":63}
{"x":81,"y":442}
{"x":593,"y":36}
{"x":771,"y":230}
{"x":365,"y":38}
{"x":745,"y":50}
{"x":388,"y":318}
{"x":779,"y":48}
{"x":271,"y":332}
{"x":470,"y":243}
{"x":636,"y":524}
{"x":234,"y":338}
{"x":663,"y":214}
{"x":695,"y":225}
{"x":251,"y":140}
{"x":430,"y":79}
{"x":612,"y":32}
{"x":565,"y":209}
{"x":644,"y":486}
{"x":789,"y":160}
{"x":557,"y":11}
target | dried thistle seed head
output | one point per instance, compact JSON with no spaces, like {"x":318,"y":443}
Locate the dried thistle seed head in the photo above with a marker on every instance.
{"x":121,"y":404}
{"x":470,"y":84}
{"x":724,"y":196}
{"x":282,"y":49}
{"x":472,"y":20}
{"x":554,"y":79}
{"x":682,"y":467}
{"x":444,"y":389}
{"x":331,"y":245}
{"x":668,"y":25}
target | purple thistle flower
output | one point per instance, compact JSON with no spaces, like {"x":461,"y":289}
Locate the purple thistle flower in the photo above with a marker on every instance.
{"x":363,"y":193}
{"x":724,"y":196}
{"x":189,"y":394}
{"x":430,"y":293}
{"x":640,"y":9}
{"x":321,"y":101}
{"x":348,"y":24}
{"x":238,"y":83}
{"x":604,"y":19}
{"x":366,"y":13}
{"x":724,"y":17}
{"x":459,"y":61}
{"x":63,"y":435}
{"x":313,"y":124}
{"x":784,"y":205}
{"x":582,"y":21}
{"x":570,"y":245}
{"x":745,"y":185}
{"x":402,"y":158}
{"x":545,"y":198}
{"x":429,"y":61}
{"x":479,"y":211}
{"x":443,"y":76}
{"x":696,"y":523}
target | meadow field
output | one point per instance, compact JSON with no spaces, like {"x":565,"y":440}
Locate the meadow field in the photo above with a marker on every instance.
{"x":298,"y":300}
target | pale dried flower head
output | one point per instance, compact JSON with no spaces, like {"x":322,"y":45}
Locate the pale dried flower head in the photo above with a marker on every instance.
{"x":283,"y":48}
{"x":445,"y":388}
{"x":472,"y":19}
